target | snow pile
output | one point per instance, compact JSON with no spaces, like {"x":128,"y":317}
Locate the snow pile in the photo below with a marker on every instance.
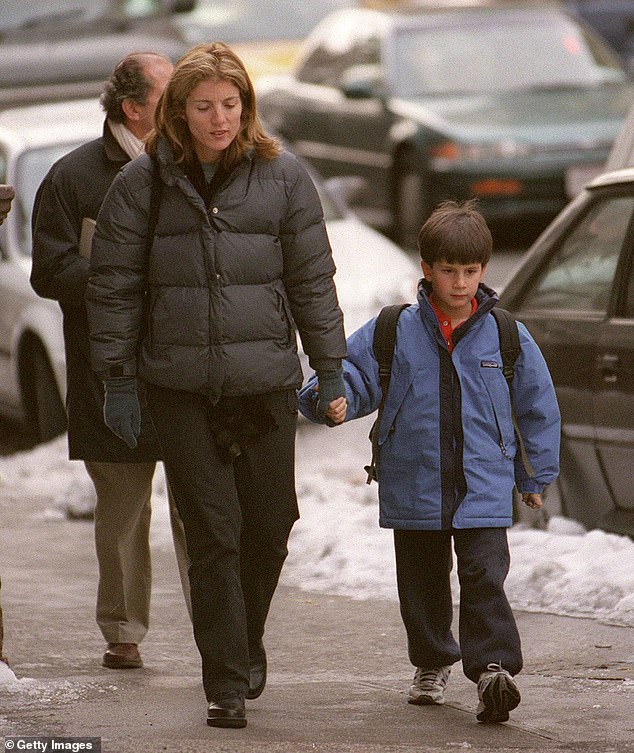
{"x":337,"y":546}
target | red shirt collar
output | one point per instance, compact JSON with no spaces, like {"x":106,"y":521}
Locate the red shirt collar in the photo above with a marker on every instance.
{"x":445,"y":321}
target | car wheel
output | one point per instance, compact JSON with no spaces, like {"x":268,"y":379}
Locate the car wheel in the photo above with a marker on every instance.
{"x":411,"y":200}
{"x":45,"y":407}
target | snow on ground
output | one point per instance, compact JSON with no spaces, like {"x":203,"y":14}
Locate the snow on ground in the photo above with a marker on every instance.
{"x":337,"y":546}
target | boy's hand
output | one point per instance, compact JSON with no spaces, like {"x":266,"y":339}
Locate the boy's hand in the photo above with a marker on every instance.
{"x":330,"y":387}
{"x":532,"y":500}
{"x":337,"y":410}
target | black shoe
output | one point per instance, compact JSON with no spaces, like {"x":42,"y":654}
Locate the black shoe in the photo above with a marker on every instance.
{"x":257,"y":674}
{"x":227,"y":711}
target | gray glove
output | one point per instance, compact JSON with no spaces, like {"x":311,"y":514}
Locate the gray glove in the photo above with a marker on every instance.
{"x":121,"y":409}
{"x":331,"y":386}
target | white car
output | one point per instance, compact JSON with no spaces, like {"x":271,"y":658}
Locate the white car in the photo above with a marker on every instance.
{"x":32,"y":371}
{"x":371,"y":270}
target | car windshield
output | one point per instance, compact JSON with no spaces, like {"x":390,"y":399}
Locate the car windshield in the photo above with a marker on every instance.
{"x":509,"y":56}
{"x":250,"y":20}
{"x":31,"y":169}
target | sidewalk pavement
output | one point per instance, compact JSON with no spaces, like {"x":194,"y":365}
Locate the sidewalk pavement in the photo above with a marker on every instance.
{"x":338,"y":678}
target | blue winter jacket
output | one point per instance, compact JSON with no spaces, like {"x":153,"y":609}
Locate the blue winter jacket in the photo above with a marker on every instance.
{"x":449,"y":456}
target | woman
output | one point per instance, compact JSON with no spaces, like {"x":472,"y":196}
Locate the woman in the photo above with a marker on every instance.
{"x":205,"y":313}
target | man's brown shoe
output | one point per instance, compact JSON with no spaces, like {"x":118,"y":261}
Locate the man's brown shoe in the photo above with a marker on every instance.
{"x":122,"y":656}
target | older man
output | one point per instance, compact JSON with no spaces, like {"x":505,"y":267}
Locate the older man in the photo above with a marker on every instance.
{"x":66,"y":205}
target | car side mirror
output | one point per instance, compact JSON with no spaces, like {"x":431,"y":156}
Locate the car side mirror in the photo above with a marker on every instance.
{"x":363,"y":82}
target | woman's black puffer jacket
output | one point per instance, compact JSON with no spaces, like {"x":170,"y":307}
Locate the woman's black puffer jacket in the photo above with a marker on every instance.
{"x":224,"y":286}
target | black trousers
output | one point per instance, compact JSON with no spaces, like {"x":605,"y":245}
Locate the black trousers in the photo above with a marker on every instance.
{"x":237,"y":517}
{"x":487,"y":629}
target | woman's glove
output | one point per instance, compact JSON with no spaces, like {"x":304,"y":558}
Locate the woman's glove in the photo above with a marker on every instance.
{"x":331,"y":386}
{"x":121,"y":409}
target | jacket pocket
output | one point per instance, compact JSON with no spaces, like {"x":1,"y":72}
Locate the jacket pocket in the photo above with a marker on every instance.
{"x":400,"y":383}
{"x":498,"y":393}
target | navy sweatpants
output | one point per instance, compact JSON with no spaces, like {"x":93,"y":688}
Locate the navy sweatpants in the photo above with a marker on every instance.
{"x":487,"y":629}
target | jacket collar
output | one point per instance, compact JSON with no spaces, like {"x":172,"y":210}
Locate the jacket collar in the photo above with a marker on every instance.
{"x":111,"y":147}
{"x":485,"y":296}
{"x":176,"y":170}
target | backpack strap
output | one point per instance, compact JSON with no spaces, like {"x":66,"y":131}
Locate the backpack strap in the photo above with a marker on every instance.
{"x":155,"y":206}
{"x":510,"y":349}
{"x":383,"y":345}
{"x":156,"y":193}
{"x":509,"y":341}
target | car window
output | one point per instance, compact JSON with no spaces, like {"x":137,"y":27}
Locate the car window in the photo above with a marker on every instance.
{"x":481,"y":58}
{"x":31,"y":169}
{"x":628,"y":304}
{"x":579,"y":275}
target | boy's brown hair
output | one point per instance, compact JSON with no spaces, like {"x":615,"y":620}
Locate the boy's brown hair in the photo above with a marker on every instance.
{"x":455,"y":233}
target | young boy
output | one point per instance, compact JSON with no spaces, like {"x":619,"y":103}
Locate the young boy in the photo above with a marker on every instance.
{"x":449,"y":458}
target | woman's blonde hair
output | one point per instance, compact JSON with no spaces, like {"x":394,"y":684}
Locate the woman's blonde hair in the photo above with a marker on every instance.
{"x":217,"y":62}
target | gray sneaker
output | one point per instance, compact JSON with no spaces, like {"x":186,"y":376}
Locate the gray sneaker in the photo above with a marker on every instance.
{"x":498,"y":694}
{"x":429,"y":685}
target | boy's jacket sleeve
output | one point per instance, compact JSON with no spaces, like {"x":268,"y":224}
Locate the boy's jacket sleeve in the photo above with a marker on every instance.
{"x":361,"y":376}
{"x":538,"y":417}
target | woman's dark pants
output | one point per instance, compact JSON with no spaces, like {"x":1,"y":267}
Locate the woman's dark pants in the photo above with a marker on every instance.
{"x":237,"y":518}
{"x":487,"y":629}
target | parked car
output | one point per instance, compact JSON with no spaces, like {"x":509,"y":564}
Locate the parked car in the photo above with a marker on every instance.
{"x":372,"y":271}
{"x":56,"y":49}
{"x":575,"y":293}
{"x":516,"y":104}
{"x":265,"y":33}
{"x":613,"y":19}
{"x":32,"y":371}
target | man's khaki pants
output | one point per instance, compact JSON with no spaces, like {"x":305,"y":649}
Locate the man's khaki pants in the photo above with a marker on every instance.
{"x":122,"y":528}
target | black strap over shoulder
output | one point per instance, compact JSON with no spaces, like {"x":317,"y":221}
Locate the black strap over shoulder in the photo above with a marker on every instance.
{"x":155,"y":206}
{"x":510,"y":349}
{"x":383,"y":346}
{"x":509,"y":341}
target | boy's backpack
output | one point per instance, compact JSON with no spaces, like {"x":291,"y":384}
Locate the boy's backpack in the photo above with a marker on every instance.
{"x":385,"y":341}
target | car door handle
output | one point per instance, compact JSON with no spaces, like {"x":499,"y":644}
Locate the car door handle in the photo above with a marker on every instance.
{"x":608,"y":364}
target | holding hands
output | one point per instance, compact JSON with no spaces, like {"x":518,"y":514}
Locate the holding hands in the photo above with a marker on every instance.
{"x":337,"y":410}
{"x":331,"y":404}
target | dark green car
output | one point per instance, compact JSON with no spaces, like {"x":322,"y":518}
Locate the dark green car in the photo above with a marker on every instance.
{"x":514,"y":103}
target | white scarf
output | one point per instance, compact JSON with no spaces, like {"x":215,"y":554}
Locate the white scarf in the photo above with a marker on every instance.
{"x":130,"y":144}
